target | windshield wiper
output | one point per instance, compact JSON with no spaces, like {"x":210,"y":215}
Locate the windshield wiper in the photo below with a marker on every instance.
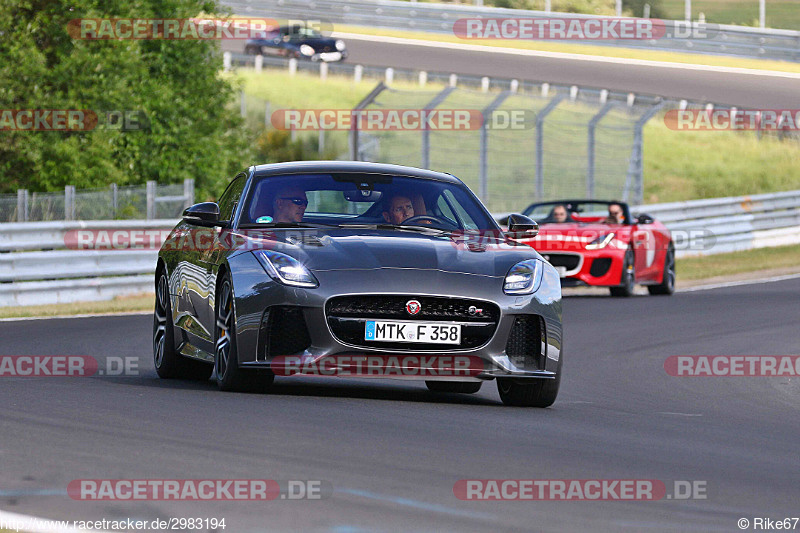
{"x":406,"y":227}
{"x":286,"y":225}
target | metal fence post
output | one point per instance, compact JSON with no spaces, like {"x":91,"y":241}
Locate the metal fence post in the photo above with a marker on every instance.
{"x":483,"y":182}
{"x":69,"y":202}
{"x":114,"y":200}
{"x":22,"y":205}
{"x":321,"y":144}
{"x":353,"y":140}
{"x":590,"y":149}
{"x":635,"y":165}
{"x":426,"y":134}
{"x":540,"y":143}
{"x":151,"y":200}
{"x":188,"y":192}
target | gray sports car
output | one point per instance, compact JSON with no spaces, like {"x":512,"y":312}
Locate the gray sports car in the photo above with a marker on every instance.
{"x":357,"y":269}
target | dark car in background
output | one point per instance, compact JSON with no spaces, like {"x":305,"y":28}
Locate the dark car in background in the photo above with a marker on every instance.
{"x":341,"y":278}
{"x":299,"y":42}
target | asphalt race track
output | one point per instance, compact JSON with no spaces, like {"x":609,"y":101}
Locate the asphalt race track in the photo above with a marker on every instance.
{"x":756,"y":91}
{"x":392,"y":451}
{"x":709,"y":86}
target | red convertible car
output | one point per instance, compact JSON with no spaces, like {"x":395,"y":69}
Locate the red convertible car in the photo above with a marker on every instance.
{"x":598,"y":243}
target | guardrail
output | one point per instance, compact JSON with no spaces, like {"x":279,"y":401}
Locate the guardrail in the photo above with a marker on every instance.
{"x":694,"y":37}
{"x":36,"y":266}
{"x":736,"y":223}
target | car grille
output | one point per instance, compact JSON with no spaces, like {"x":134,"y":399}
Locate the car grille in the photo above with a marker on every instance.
{"x":347,"y":316}
{"x":283,"y":331}
{"x":569,"y":261}
{"x":524,"y":345}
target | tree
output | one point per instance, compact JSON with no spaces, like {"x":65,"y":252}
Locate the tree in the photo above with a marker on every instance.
{"x":193,"y":130}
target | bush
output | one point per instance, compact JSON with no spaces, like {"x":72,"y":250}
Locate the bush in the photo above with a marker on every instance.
{"x":636,"y":8}
{"x":193,"y":131}
{"x":276,"y":146}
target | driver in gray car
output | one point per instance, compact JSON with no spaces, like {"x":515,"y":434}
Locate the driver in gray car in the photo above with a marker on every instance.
{"x":398,"y":209}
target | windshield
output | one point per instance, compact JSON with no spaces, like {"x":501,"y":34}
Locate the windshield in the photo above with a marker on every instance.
{"x":305,"y":33}
{"x":581,"y":212}
{"x":358,"y":199}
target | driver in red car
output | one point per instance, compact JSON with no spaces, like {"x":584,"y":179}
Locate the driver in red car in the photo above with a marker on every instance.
{"x":616,"y":215}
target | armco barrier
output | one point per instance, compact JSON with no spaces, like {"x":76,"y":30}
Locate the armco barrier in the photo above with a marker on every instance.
{"x":737,"y":223}
{"x":35,"y":267}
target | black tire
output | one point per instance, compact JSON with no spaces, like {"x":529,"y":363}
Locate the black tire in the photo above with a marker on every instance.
{"x":468,"y":387}
{"x":227,"y":372}
{"x":167,"y":361}
{"x":252,"y":50}
{"x":628,"y":278}
{"x":667,"y":285}
{"x":530,"y":393}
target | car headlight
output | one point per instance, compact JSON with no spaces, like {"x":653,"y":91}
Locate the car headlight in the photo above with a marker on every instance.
{"x":286,"y":269}
{"x":307,"y":50}
{"x":524,"y":278}
{"x":601,"y":242}
{"x":339,"y":44}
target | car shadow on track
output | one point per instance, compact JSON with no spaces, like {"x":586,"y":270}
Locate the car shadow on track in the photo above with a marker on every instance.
{"x":327,"y":387}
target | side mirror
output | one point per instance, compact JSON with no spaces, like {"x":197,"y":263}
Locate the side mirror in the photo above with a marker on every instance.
{"x":522,"y":227}
{"x":203,"y":214}
{"x":644,"y":219}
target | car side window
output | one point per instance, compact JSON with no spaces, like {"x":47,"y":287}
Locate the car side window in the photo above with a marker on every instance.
{"x":463,"y":217}
{"x":445,"y":211}
{"x":230,"y":198}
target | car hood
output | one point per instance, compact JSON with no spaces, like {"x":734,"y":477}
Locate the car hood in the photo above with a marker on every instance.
{"x":481,"y":254}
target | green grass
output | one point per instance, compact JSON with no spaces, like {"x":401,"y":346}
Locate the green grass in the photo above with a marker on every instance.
{"x":692,"y":268}
{"x":780,"y":13}
{"x":120,"y":304}
{"x":684,"y":165}
{"x":589,"y":49}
